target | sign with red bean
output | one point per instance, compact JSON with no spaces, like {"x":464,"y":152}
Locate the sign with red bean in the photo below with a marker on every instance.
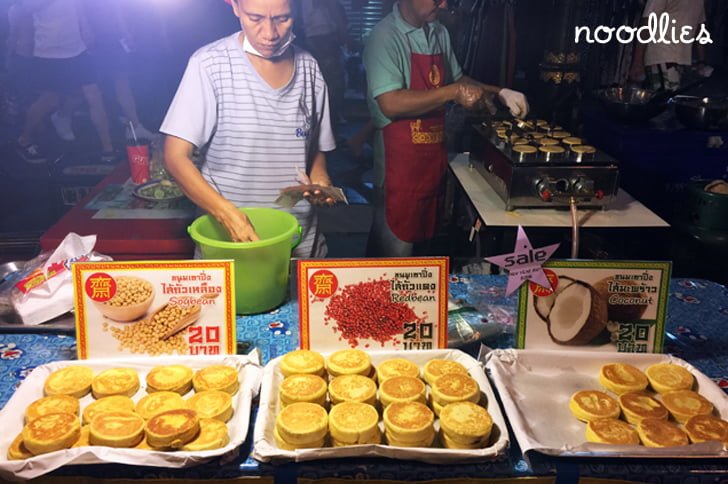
{"x":154,"y":308}
{"x":394,"y":304}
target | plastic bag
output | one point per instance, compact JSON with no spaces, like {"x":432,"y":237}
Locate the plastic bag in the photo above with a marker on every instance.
{"x":43,"y":289}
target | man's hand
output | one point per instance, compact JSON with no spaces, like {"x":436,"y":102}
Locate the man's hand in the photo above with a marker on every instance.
{"x":515,"y":101}
{"x":238,"y":225}
{"x":469,"y":95}
{"x":317,"y":197}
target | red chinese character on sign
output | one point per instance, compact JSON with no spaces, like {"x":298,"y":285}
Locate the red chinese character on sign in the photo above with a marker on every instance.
{"x":323,"y":284}
{"x":100,"y":287}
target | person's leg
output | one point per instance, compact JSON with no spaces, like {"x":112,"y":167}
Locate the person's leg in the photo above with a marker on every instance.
{"x":37,"y":113}
{"x":382,"y":242}
{"x":125,"y":98}
{"x":97,"y":112}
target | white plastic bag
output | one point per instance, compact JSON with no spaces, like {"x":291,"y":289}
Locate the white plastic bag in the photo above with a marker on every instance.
{"x":45,"y":289}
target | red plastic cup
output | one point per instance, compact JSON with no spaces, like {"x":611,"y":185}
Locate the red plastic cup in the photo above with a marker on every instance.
{"x":138,"y":156}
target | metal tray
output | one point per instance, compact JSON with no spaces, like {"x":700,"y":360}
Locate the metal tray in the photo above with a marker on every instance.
{"x":266,"y":448}
{"x":12,"y":415}
{"x":535,"y":387}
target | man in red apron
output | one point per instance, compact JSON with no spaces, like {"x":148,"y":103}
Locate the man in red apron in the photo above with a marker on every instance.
{"x":412,"y":73}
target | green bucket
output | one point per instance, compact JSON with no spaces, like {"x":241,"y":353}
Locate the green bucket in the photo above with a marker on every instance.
{"x":261,"y":267}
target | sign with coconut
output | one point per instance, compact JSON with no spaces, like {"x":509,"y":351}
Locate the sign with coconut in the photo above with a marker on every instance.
{"x":601,"y":305}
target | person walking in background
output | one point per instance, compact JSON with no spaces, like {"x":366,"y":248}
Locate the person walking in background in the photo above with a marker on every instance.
{"x":19,"y":53}
{"x":665,"y":64}
{"x":61,"y":65}
{"x":325,"y":32}
{"x":412,"y":73}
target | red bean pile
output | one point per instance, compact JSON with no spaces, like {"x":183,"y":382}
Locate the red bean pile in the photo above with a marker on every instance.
{"x":365,"y":310}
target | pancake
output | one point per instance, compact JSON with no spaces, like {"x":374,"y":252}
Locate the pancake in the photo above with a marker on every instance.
{"x":424,"y":442}
{"x":683,"y":404}
{"x":554,"y":149}
{"x":74,"y":380}
{"x":528,"y":149}
{"x":348,"y":362}
{"x":704,"y":428}
{"x":519,"y":141}
{"x":589,"y":405}
{"x":659,"y":433}
{"x":667,"y":377}
{"x":302,"y":424}
{"x":52,"y":404}
{"x":305,"y":387}
{"x":402,"y":389}
{"x":115,"y":381}
{"x":84,"y":439}
{"x":170,"y":378}
{"x":301,"y":362}
{"x":622,"y":378}
{"x":538,"y":136}
{"x":548,"y":142}
{"x":396,"y":367}
{"x":434,"y":369}
{"x":54,"y":431}
{"x":466,"y":424}
{"x":17,"y":450}
{"x":447,"y":442}
{"x":213,"y":435}
{"x":377,"y":439}
{"x":455,"y":387}
{"x":283,"y":444}
{"x":212,"y":404}
{"x":173,"y":428}
{"x":114,"y":403}
{"x":571,"y":141}
{"x":409,"y":422}
{"x":353,"y":388}
{"x":560,"y":134}
{"x":611,"y":431}
{"x":583,"y":149}
{"x":354,"y":423}
{"x":216,"y":377}
{"x":116,"y":429}
{"x":159,"y":402}
{"x":638,"y":405}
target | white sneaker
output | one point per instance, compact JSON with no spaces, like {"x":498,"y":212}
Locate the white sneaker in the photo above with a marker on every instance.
{"x":141,"y":133}
{"x":63,"y":127}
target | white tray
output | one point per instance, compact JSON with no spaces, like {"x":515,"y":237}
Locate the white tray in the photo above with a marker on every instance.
{"x":11,"y":417}
{"x":266,"y":449}
{"x":535,"y":387}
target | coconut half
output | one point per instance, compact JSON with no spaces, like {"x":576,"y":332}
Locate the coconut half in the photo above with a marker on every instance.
{"x":578,"y":315}
{"x":543,"y":304}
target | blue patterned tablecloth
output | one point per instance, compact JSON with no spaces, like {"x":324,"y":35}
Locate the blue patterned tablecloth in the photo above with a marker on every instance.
{"x":697,"y":326}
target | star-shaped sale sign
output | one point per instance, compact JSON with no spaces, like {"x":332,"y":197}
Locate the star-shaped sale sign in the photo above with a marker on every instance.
{"x":525,"y":263}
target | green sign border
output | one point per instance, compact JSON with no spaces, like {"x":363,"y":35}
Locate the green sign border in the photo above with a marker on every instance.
{"x":665,"y":267}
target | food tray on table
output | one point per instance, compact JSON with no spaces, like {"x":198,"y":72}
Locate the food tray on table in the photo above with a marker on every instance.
{"x":12,"y":415}
{"x":265,"y":448}
{"x":159,"y":191}
{"x":535,"y":387}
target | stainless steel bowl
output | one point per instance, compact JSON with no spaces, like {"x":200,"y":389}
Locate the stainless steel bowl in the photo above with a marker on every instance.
{"x":701,"y":112}
{"x":631,"y":104}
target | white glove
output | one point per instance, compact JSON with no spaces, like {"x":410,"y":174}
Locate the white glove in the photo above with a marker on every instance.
{"x":515,"y":101}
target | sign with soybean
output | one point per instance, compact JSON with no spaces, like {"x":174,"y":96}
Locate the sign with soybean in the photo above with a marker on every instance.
{"x":373,"y":304}
{"x":154,"y":308}
{"x":596,"y":305}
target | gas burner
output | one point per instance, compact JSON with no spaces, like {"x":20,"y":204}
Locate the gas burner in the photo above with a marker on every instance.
{"x":534,"y":164}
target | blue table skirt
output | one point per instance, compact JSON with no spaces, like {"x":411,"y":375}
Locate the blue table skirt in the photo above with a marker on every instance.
{"x":697,"y":326}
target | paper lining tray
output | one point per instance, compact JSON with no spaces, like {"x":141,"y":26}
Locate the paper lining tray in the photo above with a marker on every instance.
{"x":535,"y":387}
{"x":266,"y":449}
{"x":12,"y":415}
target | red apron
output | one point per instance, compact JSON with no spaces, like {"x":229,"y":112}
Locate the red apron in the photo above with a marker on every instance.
{"x":415,"y":160}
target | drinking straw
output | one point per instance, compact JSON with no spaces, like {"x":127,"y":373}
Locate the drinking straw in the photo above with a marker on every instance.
{"x":133,"y":133}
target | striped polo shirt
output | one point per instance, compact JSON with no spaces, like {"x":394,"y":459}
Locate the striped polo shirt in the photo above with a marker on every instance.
{"x":258,"y":137}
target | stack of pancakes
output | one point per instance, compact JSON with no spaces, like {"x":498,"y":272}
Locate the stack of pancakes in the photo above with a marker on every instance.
{"x":360,"y":412}
{"x":162,"y":419}
{"x":658,"y":407}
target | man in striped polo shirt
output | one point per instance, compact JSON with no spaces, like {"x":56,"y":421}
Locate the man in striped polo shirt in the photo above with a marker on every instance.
{"x":262,"y":106}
